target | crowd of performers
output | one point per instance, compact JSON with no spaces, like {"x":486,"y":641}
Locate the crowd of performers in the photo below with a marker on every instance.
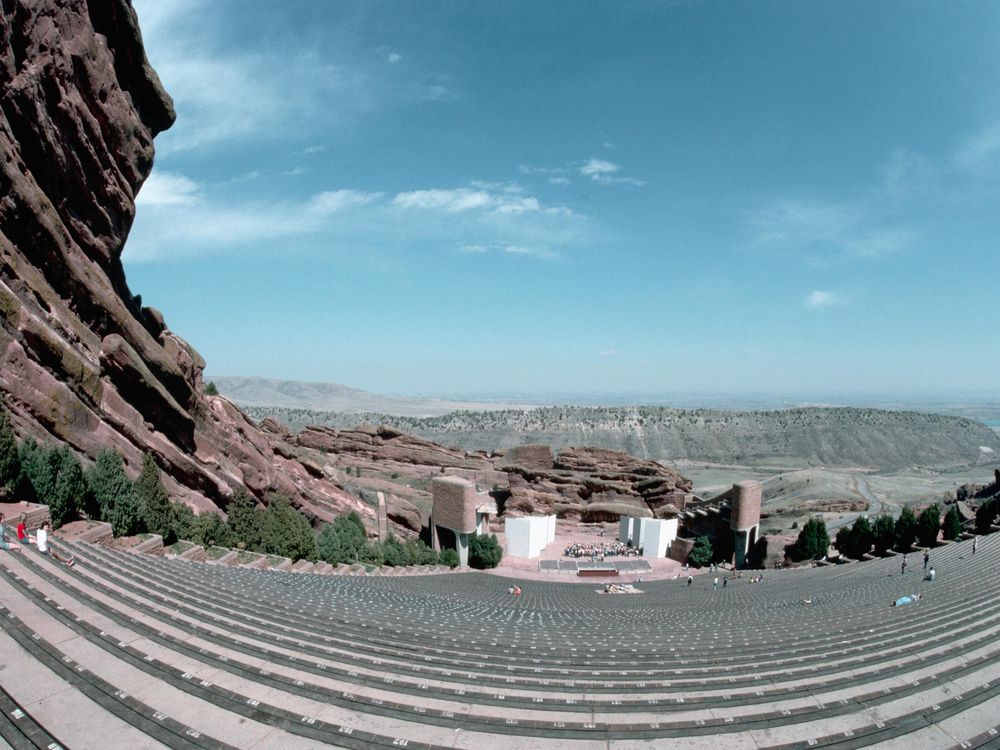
{"x":600,"y":550}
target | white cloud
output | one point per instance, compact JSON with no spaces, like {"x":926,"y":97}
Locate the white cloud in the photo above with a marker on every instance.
{"x":595,"y":167}
{"x":167,"y":189}
{"x":560,"y":181}
{"x":473,"y":249}
{"x":527,"y":169}
{"x":313,"y":149}
{"x":819,"y":300}
{"x":460,"y":199}
{"x":604,"y":173}
{"x":333,"y":201}
{"x":534,"y":252}
{"x":608,"y":353}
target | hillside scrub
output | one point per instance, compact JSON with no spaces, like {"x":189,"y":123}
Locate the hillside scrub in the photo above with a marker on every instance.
{"x":805,"y":436}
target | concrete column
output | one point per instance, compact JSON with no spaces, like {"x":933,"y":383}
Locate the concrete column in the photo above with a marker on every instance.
{"x":462,"y":547}
{"x":383,"y":518}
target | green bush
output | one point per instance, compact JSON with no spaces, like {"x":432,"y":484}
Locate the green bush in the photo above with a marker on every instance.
{"x":484,"y":551}
{"x":210,"y":529}
{"x":211,"y":389}
{"x":929,"y":526}
{"x":343,"y":541}
{"x":813,"y":540}
{"x":856,"y":541}
{"x":448,"y":557}
{"x":952,"y":527}
{"x":701,"y":553}
{"x":906,"y":530}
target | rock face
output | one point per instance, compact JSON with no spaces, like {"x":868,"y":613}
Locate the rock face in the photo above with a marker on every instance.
{"x":81,"y":360}
{"x":590,"y":484}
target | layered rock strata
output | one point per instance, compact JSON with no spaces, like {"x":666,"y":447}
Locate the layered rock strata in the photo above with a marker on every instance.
{"x":82,"y":361}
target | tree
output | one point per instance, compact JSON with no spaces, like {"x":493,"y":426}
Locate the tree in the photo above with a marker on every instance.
{"x":69,"y":492}
{"x":285,"y":531}
{"x":884,"y":533}
{"x":114,"y":494}
{"x":32,"y":484}
{"x":10,"y":464}
{"x":211,"y":389}
{"x":182,"y":521}
{"x":985,"y":514}
{"x":448,"y":557}
{"x":952,"y":524}
{"x":484,"y":551}
{"x":929,"y":526}
{"x":813,"y":541}
{"x":701,"y":552}
{"x":157,"y":514}
{"x":245,"y":519}
{"x":861,"y":538}
{"x":210,"y":529}
{"x":906,"y":530}
{"x":844,"y":541}
{"x":343,"y":540}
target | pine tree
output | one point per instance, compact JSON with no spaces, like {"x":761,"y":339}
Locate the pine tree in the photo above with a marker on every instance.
{"x":484,"y":551}
{"x":158,"y":516}
{"x":861,"y":537}
{"x":884,"y":532}
{"x":813,"y":541}
{"x":701,"y":553}
{"x":286,"y":532}
{"x":952,"y":524}
{"x":245,"y":519}
{"x":114,"y":494}
{"x":10,"y":464}
{"x":906,"y":530}
{"x":929,"y":526}
{"x":69,"y":492}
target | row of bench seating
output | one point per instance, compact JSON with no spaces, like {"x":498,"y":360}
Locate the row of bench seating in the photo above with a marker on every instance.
{"x":274,"y":658}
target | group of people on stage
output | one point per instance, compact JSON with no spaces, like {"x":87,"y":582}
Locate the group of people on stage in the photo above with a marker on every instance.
{"x":600,"y":550}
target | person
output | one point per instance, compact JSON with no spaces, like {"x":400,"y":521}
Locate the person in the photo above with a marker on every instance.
{"x":690,"y":580}
{"x":908,"y":599}
{"x":975,"y":543}
{"x":5,"y":545}
{"x":902,"y":565}
{"x":42,"y":542}
{"x":715,"y":583}
{"x":22,"y":530}
{"x":927,"y":557}
{"x":930,"y":574}
{"x":517,"y":591}
{"x":725,"y":582}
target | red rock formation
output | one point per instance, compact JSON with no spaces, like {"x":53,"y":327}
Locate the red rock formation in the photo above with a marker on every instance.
{"x":81,"y":360}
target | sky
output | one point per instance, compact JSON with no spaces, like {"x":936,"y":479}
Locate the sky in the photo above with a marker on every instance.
{"x":453,"y":198}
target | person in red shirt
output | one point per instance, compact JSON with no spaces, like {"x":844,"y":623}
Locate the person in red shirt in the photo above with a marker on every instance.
{"x":22,"y":531}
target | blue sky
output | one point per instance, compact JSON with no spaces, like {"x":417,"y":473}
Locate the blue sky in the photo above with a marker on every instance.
{"x":523,"y":197}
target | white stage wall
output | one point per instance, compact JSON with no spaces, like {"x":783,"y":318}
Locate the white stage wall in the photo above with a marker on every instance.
{"x":527,"y":537}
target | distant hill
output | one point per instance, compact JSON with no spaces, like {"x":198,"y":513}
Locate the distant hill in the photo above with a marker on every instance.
{"x":814,"y":436}
{"x":331,"y":397}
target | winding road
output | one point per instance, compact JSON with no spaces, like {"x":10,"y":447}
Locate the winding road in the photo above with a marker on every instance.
{"x":875,"y":506}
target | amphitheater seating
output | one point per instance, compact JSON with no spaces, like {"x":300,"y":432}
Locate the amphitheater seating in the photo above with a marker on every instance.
{"x":154,"y":652}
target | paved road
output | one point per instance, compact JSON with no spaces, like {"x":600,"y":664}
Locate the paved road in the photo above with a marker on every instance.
{"x":875,"y":506}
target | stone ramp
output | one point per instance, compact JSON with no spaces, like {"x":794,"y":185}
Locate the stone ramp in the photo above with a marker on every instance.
{"x":455,"y":661}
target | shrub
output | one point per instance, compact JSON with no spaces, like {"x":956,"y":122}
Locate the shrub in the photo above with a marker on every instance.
{"x":929,"y":526}
{"x":342,"y":541}
{"x":484,"y":551}
{"x":211,"y":389}
{"x":211,"y":529}
{"x":906,"y":530}
{"x":884,"y":533}
{"x":182,"y":521}
{"x":448,"y":557}
{"x":701,"y":552}
{"x":10,"y":464}
{"x":952,"y":524}
{"x":813,"y":540}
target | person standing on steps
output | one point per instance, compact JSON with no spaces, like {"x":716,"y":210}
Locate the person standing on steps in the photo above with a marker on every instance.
{"x":715,"y":583}
{"x":42,"y":542}
{"x":975,"y":543}
{"x":690,"y":580}
{"x":902,"y":566}
{"x":927,"y":557}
